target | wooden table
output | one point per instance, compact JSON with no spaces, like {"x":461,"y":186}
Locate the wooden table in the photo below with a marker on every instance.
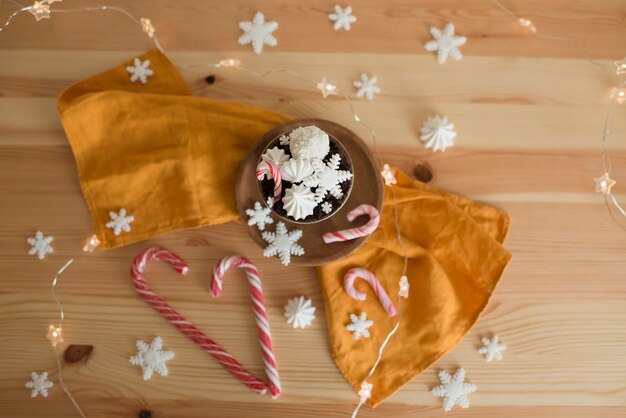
{"x":529,"y":115}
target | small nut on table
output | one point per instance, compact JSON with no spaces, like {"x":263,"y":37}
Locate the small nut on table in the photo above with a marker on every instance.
{"x":423,"y":172}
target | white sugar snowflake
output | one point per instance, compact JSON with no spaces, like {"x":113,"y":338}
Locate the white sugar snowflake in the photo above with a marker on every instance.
{"x":343,"y":18}
{"x":437,"y":133}
{"x":120,"y":221}
{"x":258,"y":33}
{"x":328,"y":178}
{"x":259,"y":216}
{"x":140,"y":71}
{"x":39,"y":384}
{"x":359,"y":325}
{"x":152,"y":358}
{"x":40,"y":245}
{"x":492,"y":348}
{"x":327,"y":207}
{"x":366,"y":86}
{"x":453,"y":389}
{"x":445,"y":43}
{"x":283,"y":243}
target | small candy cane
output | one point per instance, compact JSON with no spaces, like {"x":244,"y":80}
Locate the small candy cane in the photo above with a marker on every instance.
{"x":271,"y":170}
{"x":358,"y":232}
{"x":383,"y":297}
{"x":262,"y":321}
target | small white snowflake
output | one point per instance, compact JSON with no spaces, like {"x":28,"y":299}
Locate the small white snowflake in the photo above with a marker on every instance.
{"x":327,"y":207}
{"x":366,"y":86}
{"x":445,"y":43}
{"x":258,"y":33}
{"x":343,"y":18}
{"x":359,"y":325}
{"x":140,"y":71}
{"x":328,"y":178}
{"x":492,"y":348}
{"x":259,"y":216}
{"x":120,"y":221}
{"x":39,"y":384}
{"x":283,"y":243}
{"x":453,"y":389}
{"x":40,"y":245}
{"x":151,"y":358}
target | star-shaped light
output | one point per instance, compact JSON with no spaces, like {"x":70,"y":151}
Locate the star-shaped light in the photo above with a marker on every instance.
{"x":366,"y":391}
{"x":230,"y":62}
{"x":620,"y":67}
{"x":91,"y":244}
{"x":445,"y":43}
{"x":147,"y":26}
{"x":492,"y":348}
{"x":388,"y":175}
{"x":604,"y":184}
{"x":528,"y":24}
{"x":41,"y":10}
{"x":404,"y":287}
{"x":326,"y":87}
{"x":258,"y":32}
{"x":55,"y":335}
{"x":342,"y":18}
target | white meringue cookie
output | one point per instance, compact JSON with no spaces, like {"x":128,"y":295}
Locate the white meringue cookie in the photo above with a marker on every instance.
{"x":299,"y":201}
{"x":296,"y":170}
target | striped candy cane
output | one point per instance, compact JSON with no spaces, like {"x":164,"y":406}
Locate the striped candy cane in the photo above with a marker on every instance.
{"x":186,"y":327}
{"x":269,"y":169}
{"x":262,"y":321}
{"x":358,"y":232}
{"x":383,"y":297}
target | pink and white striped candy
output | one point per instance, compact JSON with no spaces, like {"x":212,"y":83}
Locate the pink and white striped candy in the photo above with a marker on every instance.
{"x":180,"y":322}
{"x":358,"y":232}
{"x":383,"y":297}
{"x":262,"y":320}
{"x":271,"y":170}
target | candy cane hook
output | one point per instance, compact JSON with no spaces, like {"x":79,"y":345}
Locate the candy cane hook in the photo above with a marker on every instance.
{"x":272,"y":171}
{"x":262,"y":320}
{"x":383,"y":297}
{"x":358,"y":232}
{"x":180,"y":322}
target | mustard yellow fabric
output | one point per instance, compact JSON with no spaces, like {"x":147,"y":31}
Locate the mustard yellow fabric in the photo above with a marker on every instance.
{"x":456,"y":258}
{"x":169,"y":158}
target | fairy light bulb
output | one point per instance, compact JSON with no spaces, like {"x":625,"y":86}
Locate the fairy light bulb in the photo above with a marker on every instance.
{"x":528,"y":24}
{"x":388,"y":175}
{"x":91,"y":244}
{"x":147,"y":26}
{"x":620,"y":67}
{"x":55,"y":335}
{"x":604,"y":184}
{"x":230,"y":62}
{"x":621,"y":96}
{"x":404,"y":287}
{"x":40,"y":9}
{"x":326,"y":87}
{"x":366,"y":391}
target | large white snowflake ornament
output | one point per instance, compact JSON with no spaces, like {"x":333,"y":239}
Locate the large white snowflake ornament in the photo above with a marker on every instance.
{"x":492,"y":348}
{"x":140,"y":71}
{"x":445,"y":43}
{"x":342,"y":17}
{"x":151,"y":358}
{"x":283,"y":243}
{"x":300,"y":312}
{"x":453,"y":389}
{"x":258,"y":32}
{"x":327,"y":179}
{"x":366,"y":86}
{"x":40,"y":245}
{"x":120,"y":221}
{"x":437,"y":133}
{"x":259,"y":216}
{"x":359,"y":325}
{"x":39,"y":384}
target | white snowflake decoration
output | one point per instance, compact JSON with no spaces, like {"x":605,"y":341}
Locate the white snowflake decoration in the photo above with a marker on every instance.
{"x":40,"y":245}
{"x":453,"y":389}
{"x":258,"y":33}
{"x":327,"y":207}
{"x":152,"y":358}
{"x":140,"y":71}
{"x":492,"y":348}
{"x":300,"y":312}
{"x":259,"y":216}
{"x":328,"y":178}
{"x":445,"y":43}
{"x":39,"y":384}
{"x":366,"y":86}
{"x":283,"y":243}
{"x":359,"y":326}
{"x":120,"y":221}
{"x":343,"y":18}
{"x":437,"y":133}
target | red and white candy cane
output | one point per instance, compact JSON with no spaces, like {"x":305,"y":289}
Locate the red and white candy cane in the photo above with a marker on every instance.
{"x":271,"y":170}
{"x":180,"y":322}
{"x":383,"y":297}
{"x":262,"y":320}
{"x":358,"y":232}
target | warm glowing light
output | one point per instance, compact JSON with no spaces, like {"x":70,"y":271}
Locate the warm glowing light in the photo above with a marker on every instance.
{"x":147,"y":27}
{"x":621,"y":96}
{"x":326,"y":87}
{"x":40,"y":10}
{"x":528,"y":24}
{"x":230,"y":62}
{"x":91,"y":244}
{"x":604,"y":184}
{"x":366,"y":391}
{"x":620,"y":67}
{"x":388,"y":175}
{"x":55,"y":335}
{"x":404,"y":287}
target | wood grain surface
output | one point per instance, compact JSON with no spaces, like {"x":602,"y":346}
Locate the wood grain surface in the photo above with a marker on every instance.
{"x":529,"y":115}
